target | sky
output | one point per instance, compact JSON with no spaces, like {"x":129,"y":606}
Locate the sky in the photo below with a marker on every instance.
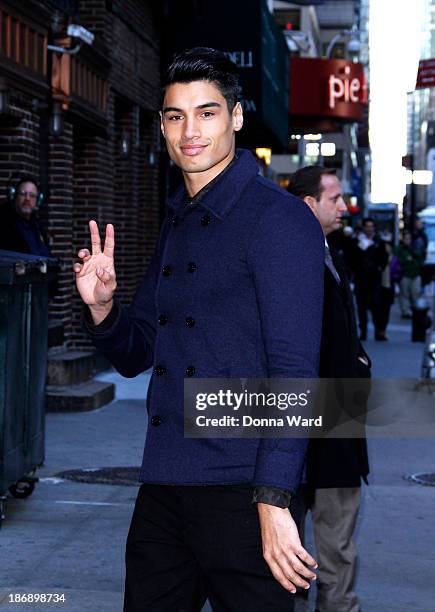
{"x":395,"y":39}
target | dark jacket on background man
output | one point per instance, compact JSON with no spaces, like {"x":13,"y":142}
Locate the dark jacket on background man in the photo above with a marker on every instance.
{"x":410,"y":259}
{"x":367,"y":264}
{"x":339,"y":462}
{"x":420,"y":242}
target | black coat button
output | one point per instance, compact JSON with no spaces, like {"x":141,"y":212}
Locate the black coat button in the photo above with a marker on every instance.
{"x":191,"y":267}
{"x":159,"y":370}
{"x":166,"y":270}
{"x":205,"y":220}
{"x":190,"y":371}
{"x":163,"y":319}
{"x":190,"y":321}
{"x":156,"y":420}
{"x":175,"y":221}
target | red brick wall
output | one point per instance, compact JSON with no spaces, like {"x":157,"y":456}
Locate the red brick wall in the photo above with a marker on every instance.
{"x":125,"y":191}
{"x":135,"y":44}
{"x":93,"y":199}
{"x":19,"y":150}
{"x":60,"y":219}
{"x":87,"y":176}
{"x":94,"y":17}
{"x":136,"y":216}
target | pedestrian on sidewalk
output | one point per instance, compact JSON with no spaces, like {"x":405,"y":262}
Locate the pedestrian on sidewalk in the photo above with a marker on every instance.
{"x":368,"y":258}
{"x":411,"y":261}
{"x":234,"y":290}
{"x":391,"y":274}
{"x":420,"y":240}
{"x":335,"y":467}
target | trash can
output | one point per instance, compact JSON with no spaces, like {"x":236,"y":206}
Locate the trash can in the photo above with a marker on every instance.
{"x":24,"y":284}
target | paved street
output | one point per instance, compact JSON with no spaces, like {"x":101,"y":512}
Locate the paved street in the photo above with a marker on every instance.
{"x":69,"y":537}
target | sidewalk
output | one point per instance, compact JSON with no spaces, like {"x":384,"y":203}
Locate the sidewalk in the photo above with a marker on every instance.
{"x":69,"y":537}
{"x":396,"y":530}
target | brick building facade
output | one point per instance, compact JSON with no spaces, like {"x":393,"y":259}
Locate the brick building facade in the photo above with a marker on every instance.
{"x":104,"y":162}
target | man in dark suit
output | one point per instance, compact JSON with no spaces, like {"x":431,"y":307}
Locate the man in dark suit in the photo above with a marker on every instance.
{"x":334,"y":466}
{"x":368,"y":258}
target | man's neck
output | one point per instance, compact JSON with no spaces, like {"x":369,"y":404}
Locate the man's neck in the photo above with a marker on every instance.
{"x":195,"y":181}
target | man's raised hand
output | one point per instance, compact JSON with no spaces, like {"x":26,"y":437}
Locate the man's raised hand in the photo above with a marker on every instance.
{"x":95,"y":275}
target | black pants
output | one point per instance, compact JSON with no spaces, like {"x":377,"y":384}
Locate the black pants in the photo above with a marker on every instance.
{"x":386,"y":300}
{"x":189,"y":543}
{"x":367,"y":298}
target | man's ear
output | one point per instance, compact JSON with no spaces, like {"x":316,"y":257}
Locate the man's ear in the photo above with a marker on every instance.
{"x":312,"y":203}
{"x":162,"y":128}
{"x":237,"y":117}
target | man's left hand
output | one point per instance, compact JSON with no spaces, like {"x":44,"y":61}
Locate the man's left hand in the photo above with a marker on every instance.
{"x":282,"y":548}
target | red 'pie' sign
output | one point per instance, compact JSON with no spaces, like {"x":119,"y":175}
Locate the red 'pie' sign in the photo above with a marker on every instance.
{"x":332,"y":88}
{"x":343,"y":88}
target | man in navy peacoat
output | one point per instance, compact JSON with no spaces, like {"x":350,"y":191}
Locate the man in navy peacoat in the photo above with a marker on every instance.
{"x":234,"y":290}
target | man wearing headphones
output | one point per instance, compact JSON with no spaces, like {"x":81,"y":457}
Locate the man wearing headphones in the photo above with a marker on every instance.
{"x":20,"y":229}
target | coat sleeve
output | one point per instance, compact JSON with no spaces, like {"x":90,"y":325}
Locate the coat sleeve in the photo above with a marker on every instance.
{"x":286,"y":259}
{"x":127,"y":338}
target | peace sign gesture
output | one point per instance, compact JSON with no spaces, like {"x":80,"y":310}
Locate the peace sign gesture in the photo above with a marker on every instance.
{"x":95,"y":276}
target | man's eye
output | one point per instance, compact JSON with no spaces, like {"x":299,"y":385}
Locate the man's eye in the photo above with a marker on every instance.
{"x":174,"y":117}
{"x":207,"y":114}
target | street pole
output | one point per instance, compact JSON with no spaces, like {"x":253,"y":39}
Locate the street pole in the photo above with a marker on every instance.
{"x":413,"y":192}
{"x":412,"y":210}
{"x":301,"y":151}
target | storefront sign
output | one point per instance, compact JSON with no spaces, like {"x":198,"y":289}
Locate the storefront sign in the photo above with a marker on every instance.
{"x":426,"y":74}
{"x":242,"y":59}
{"x":327,"y":88}
{"x":343,"y":88}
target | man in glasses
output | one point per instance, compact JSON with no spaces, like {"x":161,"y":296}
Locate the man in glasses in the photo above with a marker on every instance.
{"x":20,"y":229}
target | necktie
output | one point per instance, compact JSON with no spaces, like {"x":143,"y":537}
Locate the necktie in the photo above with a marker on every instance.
{"x":330,"y":264}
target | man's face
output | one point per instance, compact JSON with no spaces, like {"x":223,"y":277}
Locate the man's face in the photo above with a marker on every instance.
{"x":330,"y":207}
{"x":407,"y":239}
{"x":198,"y":128}
{"x":369,"y":229}
{"x":26,"y":199}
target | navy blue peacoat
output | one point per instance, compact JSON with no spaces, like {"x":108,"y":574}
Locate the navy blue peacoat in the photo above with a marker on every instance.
{"x":235,"y":289}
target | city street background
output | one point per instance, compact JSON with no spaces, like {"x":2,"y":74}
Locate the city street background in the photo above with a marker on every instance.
{"x":349,"y":84}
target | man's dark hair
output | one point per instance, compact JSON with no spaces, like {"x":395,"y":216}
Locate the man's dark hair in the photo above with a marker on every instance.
{"x":205,"y":64}
{"x":307,"y":181}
